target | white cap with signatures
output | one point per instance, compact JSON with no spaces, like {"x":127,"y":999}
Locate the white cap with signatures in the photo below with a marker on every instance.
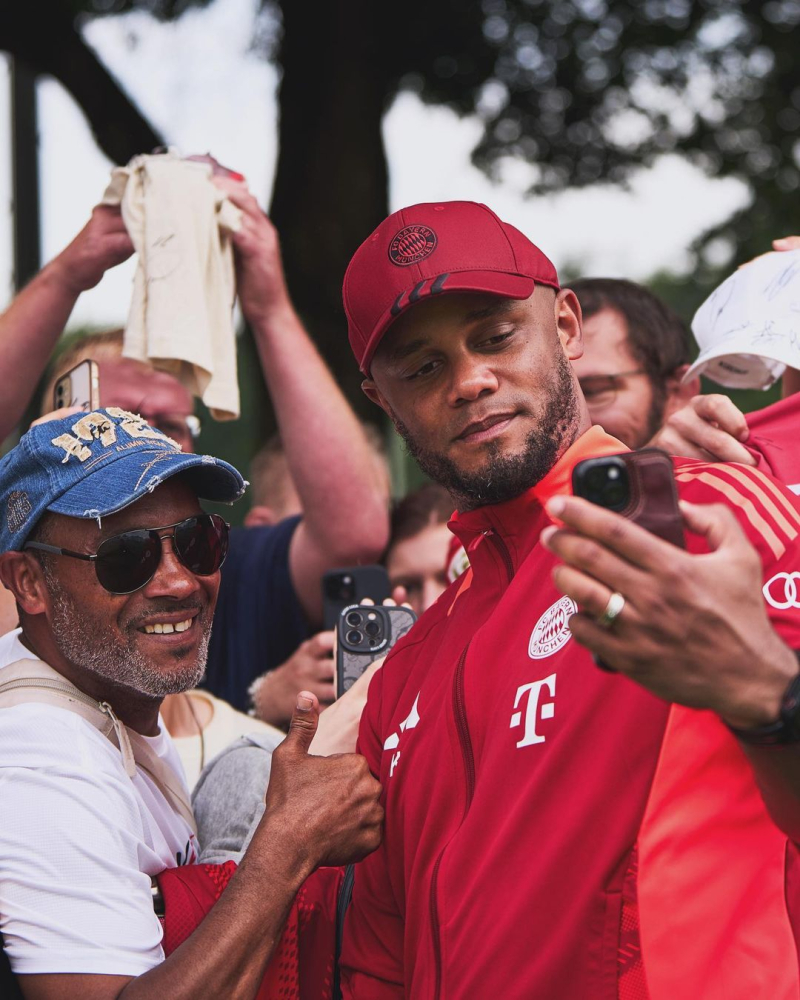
{"x":748,"y":329}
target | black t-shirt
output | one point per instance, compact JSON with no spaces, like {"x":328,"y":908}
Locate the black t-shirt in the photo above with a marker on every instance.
{"x":258,"y":622}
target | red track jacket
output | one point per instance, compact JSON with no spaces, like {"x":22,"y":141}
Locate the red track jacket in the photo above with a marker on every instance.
{"x":773,"y":440}
{"x":555,"y":831}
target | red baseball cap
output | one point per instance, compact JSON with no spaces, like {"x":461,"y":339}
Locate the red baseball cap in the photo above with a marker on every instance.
{"x":430,"y":249}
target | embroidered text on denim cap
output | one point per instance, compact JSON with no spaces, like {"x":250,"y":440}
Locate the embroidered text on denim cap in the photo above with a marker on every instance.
{"x":18,"y":509}
{"x":97,"y":427}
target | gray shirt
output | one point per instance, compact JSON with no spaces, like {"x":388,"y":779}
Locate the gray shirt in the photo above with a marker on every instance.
{"x":228,"y":799}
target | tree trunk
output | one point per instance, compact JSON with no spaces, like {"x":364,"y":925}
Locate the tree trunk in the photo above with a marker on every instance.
{"x":51,"y":44}
{"x":331,"y":184}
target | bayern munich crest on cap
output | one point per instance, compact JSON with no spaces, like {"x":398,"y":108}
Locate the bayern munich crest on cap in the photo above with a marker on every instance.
{"x":411,"y":245}
{"x":435,"y":248}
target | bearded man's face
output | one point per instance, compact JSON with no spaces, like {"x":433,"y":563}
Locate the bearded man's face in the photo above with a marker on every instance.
{"x":481,"y":389}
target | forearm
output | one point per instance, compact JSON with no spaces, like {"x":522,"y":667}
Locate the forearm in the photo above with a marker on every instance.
{"x":29,"y":329}
{"x":331,"y":461}
{"x":776,"y":768}
{"x":229,"y":952}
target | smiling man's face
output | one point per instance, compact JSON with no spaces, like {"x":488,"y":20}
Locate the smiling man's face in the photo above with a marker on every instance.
{"x":114,"y":636}
{"x":481,"y":389}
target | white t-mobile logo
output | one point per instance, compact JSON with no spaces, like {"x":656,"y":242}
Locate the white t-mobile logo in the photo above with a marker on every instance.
{"x":533,"y":711}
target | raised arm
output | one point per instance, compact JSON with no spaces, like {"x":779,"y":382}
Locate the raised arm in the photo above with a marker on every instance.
{"x":694,"y":629}
{"x":344,"y":498}
{"x":31,"y":325}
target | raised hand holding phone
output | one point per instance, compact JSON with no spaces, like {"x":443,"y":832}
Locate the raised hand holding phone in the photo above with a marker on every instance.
{"x":639,"y":485}
{"x":310,"y":666}
{"x":365,"y":633}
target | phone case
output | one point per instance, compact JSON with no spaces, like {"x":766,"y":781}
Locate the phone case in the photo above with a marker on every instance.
{"x":653,"y":497}
{"x":78,"y":387}
{"x":350,"y":664}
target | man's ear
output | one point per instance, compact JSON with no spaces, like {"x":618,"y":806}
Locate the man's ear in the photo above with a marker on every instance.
{"x":22,"y":574}
{"x":569,"y":323}
{"x":372,"y":392}
{"x":679,"y":393}
{"x":259,"y":516}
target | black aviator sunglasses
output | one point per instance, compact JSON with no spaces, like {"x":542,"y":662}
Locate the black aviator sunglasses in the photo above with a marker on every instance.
{"x":127,"y":562}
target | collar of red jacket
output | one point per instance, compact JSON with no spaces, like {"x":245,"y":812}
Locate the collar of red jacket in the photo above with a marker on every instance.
{"x":519,"y":519}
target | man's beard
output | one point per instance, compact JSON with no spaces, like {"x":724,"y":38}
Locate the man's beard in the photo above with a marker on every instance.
{"x":91,"y":647}
{"x":504,"y":477}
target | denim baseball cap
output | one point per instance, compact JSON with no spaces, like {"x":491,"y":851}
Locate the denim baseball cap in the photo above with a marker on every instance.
{"x":94,"y":464}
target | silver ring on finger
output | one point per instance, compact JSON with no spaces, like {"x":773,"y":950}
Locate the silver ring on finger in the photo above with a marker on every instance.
{"x":612,"y":611}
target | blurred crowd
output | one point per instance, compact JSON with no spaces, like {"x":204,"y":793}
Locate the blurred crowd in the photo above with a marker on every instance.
{"x":576,"y":776}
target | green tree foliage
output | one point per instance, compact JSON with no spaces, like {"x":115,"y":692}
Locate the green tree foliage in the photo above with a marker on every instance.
{"x":586,"y":90}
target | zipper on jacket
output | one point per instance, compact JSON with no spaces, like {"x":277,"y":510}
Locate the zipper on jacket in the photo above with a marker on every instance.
{"x":502,"y":551}
{"x":462,"y":727}
{"x":437,"y":948}
{"x":465,"y":742}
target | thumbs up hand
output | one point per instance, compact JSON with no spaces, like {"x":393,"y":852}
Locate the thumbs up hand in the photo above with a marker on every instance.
{"x":328,"y":806}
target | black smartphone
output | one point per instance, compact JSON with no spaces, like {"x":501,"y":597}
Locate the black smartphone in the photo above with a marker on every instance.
{"x":350,"y":585}
{"x":365,"y":632}
{"x":640,"y":485}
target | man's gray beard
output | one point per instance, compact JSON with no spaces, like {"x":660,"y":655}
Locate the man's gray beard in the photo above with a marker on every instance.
{"x":103,"y":656}
{"x":507,"y":476}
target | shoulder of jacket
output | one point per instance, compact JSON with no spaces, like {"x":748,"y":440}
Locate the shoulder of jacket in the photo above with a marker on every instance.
{"x":768,"y":510}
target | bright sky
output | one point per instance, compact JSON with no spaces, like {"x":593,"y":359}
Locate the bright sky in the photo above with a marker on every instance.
{"x":200,"y":82}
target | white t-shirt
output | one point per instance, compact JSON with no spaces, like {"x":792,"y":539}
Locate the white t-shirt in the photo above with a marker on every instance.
{"x":79,"y":841}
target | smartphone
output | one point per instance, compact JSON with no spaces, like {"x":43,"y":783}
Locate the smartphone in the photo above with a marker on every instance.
{"x":640,"y":485}
{"x":365,"y":632}
{"x":80,"y":386}
{"x":350,"y":585}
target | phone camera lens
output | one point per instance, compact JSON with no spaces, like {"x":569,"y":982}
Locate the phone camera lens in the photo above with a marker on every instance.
{"x":615,"y":497}
{"x":353,"y":637}
{"x":372,"y":628}
{"x":614,"y":488}
{"x":354,"y":618}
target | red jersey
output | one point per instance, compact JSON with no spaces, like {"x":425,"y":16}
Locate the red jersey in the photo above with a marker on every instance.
{"x":773,"y":440}
{"x":553,"y":830}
